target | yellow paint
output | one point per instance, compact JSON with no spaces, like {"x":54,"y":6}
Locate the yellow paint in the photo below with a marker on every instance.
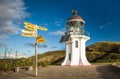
{"x":40,"y":39}
{"x":28,"y":34}
{"x":31,"y":26}
{"x":42,"y":28}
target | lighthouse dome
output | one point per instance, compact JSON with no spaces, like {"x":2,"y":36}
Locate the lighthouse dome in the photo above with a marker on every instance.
{"x":75,"y":17}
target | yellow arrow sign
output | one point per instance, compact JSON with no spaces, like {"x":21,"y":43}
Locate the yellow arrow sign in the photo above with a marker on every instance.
{"x":42,"y":28}
{"x":31,"y":26}
{"x":28,"y":31}
{"x":28,"y":34}
{"x":27,"y":23}
{"x":40,"y":39}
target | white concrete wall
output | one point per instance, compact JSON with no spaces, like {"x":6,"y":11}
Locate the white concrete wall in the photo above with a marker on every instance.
{"x":78,"y":55}
{"x":83,"y":57}
{"x":68,"y":50}
{"x":75,"y":53}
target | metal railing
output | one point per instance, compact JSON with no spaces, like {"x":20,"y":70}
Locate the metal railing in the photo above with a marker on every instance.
{"x":78,"y":33}
{"x":84,"y":33}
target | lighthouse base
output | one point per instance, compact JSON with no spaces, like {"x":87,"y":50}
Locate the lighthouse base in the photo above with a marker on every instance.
{"x":75,"y":51}
{"x":81,"y":64}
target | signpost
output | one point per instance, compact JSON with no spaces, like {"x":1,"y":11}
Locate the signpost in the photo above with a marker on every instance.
{"x":32,"y":32}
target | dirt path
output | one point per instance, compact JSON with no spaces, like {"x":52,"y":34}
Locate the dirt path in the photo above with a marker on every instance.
{"x":66,"y":72}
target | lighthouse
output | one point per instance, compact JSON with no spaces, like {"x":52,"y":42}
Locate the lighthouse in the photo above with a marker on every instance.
{"x":75,"y":39}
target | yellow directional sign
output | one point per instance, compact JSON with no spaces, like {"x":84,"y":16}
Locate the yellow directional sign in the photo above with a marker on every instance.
{"x":28,"y":31}
{"x":28,"y":34}
{"x":31,"y":26}
{"x":42,"y":28}
{"x":40,"y":39}
{"x":27,"y":23}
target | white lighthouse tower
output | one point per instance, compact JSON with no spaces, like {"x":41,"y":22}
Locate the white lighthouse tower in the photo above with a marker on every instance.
{"x":75,"y":39}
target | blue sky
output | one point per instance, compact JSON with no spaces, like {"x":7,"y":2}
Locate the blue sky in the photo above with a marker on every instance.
{"x":102,"y":19}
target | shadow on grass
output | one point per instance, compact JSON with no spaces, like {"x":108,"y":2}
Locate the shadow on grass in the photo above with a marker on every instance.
{"x":58,"y":62}
{"x":100,"y":57}
{"x":105,"y":72}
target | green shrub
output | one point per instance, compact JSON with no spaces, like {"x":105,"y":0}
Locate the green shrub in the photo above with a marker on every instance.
{"x":91,"y":56}
{"x":9,"y":64}
{"x":42,"y":64}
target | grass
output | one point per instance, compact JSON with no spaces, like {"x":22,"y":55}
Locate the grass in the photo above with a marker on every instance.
{"x":118,"y":64}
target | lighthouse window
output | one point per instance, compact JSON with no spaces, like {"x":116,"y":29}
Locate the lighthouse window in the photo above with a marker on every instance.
{"x":81,"y":23}
{"x":76,"y":43}
{"x":69,"y":56}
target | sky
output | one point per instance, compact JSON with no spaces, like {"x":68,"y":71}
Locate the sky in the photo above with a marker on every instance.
{"x":102,"y":21}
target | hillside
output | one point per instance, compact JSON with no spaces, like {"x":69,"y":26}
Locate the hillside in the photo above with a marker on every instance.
{"x":98,"y":52}
{"x":50,"y":57}
{"x":107,"y":47}
{"x":104,"y":52}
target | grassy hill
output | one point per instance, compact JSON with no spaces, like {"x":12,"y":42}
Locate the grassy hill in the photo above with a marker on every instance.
{"x":50,"y":57}
{"x":100,"y":52}
{"x":104,"y":52}
{"x":107,"y":47}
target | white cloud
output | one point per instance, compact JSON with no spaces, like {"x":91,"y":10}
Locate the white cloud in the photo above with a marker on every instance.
{"x":12,"y":56}
{"x":58,"y":32}
{"x":2,"y":44}
{"x":12,"y":12}
{"x":42,"y":45}
{"x":54,"y":47}
{"x":46,"y":24}
{"x":39,"y":45}
{"x":104,"y":25}
{"x":58,"y":23}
